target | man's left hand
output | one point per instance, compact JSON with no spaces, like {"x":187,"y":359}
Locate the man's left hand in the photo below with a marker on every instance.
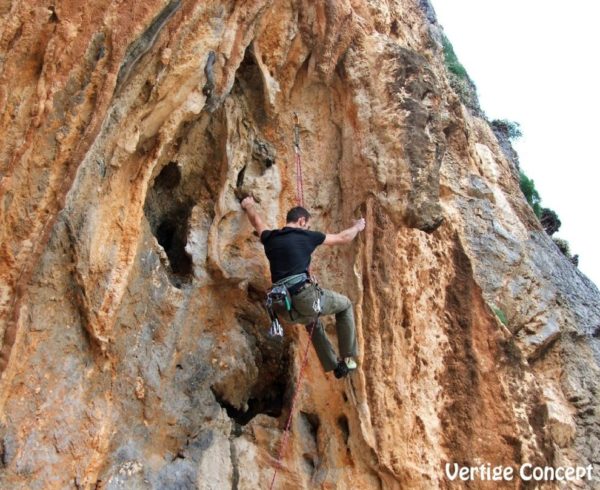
{"x":359,"y":224}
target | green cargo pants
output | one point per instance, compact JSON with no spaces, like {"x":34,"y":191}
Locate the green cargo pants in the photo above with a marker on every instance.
{"x":332,"y":303}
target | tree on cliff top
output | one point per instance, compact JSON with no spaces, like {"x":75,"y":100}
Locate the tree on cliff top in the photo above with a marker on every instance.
{"x":510,"y":129}
{"x":550,"y":221}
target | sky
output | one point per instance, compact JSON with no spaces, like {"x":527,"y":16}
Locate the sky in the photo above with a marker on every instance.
{"x":536,"y":62}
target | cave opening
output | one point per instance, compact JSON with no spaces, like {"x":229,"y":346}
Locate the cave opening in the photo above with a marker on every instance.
{"x":270,"y":393}
{"x":249,"y":84}
{"x":169,"y":177}
{"x":171,"y":234}
{"x":168,"y":211}
{"x":269,"y":402}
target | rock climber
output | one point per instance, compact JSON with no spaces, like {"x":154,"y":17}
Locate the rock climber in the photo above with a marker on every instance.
{"x":289,"y":251}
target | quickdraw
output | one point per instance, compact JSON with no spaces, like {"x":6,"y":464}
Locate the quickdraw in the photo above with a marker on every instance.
{"x":277,"y":295}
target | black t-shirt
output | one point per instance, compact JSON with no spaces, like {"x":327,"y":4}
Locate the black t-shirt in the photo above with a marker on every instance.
{"x":289,"y":250}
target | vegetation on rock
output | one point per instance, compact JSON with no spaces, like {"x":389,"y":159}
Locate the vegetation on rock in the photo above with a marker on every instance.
{"x":531,"y":193}
{"x":511,"y":129}
{"x":459,"y":79}
{"x":550,"y":221}
{"x":548,"y":217}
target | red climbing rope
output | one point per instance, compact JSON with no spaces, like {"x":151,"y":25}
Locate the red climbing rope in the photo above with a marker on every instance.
{"x":299,"y":183}
{"x":286,"y":432}
{"x":300,"y":199}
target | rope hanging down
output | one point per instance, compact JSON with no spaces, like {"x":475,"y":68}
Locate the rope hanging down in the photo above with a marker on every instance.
{"x":299,"y":183}
{"x":300,"y":199}
{"x":286,"y":432}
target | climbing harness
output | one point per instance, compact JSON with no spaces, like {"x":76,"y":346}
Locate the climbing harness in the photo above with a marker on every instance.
{"x":281,"y":294}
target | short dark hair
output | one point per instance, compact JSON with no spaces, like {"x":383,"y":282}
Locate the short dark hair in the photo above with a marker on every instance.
{"x":296,"y":213}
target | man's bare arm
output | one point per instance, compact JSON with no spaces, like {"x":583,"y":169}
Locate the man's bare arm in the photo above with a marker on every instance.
{"x":345,"y":236}
{"x":248,"y":205}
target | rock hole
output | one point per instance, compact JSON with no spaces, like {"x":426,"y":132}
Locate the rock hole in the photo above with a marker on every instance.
{"x":3,"y":455}
{"x":146,"y":91}
{"x":309,"y":462}
{"x":313,"y":422}
{"x":449,"y":131}
{"x":342,"y":423}
{"x":240,"y":178}
{"x":53,"y":16}
{"x":249,"y":81}
{"x":168,"y":213}
{"x":269,"y":403}
{"x":309,"y":424}
{"x":269,"y":394}
{"x":171,"y":234}
{"x":169,"y":177}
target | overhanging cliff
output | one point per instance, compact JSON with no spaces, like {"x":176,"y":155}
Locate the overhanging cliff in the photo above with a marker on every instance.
{"x":134,"y":346}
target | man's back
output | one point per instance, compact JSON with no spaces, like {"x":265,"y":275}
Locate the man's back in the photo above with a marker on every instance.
{"x":289,"y":250}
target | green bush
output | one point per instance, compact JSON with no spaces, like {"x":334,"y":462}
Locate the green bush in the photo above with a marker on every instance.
{"x":459,"y":79}
{"x":511,"y":129}
{"x":531,"y":194}
{"x":564,"y":247}
{"x":452,"y":63}
{"x":548,"y":218}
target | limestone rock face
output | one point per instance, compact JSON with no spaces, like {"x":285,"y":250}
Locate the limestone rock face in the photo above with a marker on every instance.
{"x":134,"y":346}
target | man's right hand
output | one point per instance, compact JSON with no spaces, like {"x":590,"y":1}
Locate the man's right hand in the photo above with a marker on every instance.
{"x":247,"y":202}
{"x":248,"y":206}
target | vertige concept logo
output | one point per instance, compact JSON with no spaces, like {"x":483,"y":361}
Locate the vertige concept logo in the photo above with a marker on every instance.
{"x":526,"y":472}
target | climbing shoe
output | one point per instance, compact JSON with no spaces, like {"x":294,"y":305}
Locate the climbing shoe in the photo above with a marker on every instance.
{"x":340,"y":370}
{"x":345,"y":367}
{"x":350,"y":363}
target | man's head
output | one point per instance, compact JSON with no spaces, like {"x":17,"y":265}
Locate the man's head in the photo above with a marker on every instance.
{"x":298,"y":217}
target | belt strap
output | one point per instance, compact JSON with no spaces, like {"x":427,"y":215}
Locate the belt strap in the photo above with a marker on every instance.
{"x":292,"y":280}
{"x":296,"y":288}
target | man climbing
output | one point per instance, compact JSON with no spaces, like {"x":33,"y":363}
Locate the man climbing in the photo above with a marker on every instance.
{"x":289,"y":252}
